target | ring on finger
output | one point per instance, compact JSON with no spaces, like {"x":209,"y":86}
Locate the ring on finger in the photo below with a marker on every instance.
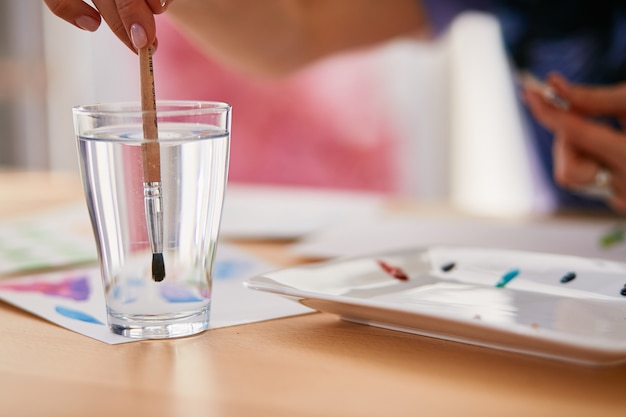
{"x":601,"y":186}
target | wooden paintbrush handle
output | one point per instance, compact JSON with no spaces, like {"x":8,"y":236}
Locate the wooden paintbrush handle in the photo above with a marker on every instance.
{"x":150,"y":151}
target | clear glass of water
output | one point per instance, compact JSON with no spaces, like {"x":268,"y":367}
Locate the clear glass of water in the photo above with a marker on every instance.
{"x":156,"y":236}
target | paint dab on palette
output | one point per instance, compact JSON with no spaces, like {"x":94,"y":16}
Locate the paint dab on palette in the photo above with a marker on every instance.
{"x":612,"y":238}
{"x":448,"y":267}
{"x":570,"y":276}
{"x":394,"y":271}
{"x":507,"y":277}
{"x":76,"y":315}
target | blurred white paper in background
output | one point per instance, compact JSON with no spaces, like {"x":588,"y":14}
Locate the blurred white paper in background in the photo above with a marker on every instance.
{"x":55,"y":238}
{"x":274,"y":212}
{"x":569,"y":237}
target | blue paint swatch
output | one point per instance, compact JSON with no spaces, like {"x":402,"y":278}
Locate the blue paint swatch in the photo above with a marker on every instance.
{"x":507,"y":277}
{"x":76,"y":315}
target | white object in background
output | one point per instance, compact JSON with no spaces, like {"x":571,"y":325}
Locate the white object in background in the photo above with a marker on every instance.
{"x":414,"y":82}
{"x":492,"y":170}
{"x":83,"y":68}
{"x":22,"y":86}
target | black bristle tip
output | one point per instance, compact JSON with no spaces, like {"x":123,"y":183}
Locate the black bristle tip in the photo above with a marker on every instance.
{"x":158,"y":267}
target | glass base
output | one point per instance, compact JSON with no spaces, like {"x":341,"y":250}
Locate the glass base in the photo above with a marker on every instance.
{"x":159,"y":327}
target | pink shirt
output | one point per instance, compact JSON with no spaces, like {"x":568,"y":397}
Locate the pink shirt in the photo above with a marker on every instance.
{"x":321,"y":127}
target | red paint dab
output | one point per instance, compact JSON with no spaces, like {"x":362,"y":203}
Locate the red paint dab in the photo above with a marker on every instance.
{"x":394,"y":271}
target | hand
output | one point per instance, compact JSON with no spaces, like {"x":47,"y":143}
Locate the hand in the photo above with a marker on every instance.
{"x":131,"y":20}
{"x":584,"y":146}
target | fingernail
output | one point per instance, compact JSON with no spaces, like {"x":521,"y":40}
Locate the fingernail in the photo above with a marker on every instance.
{"x":87,"y":23}
{"x":138,"y":36}
{"x":163,"y":3}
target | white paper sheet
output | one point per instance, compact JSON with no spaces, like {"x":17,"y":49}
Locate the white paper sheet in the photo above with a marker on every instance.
{"x":51,"y":238}
{"x":74,"y":299}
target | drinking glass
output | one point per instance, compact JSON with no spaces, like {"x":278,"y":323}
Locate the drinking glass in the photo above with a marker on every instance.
{"x":155,"y":205}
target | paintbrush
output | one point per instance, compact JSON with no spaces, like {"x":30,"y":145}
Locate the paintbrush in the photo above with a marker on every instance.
{"x":546,"y":91}
{"x":151,"y":161}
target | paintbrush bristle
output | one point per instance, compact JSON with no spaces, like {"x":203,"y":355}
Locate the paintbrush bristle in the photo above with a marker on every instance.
{"x":158,"y":267}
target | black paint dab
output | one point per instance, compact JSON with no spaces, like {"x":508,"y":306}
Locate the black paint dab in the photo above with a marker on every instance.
{"x":448,"y":267}
{"x":623,"y":292}
{"x":568,"y":277}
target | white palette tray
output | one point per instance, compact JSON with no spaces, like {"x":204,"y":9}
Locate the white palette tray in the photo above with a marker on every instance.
{"x":457,"y":293}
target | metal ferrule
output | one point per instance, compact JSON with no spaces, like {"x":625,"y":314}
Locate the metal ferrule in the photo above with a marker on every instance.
{"x":153,"y":203}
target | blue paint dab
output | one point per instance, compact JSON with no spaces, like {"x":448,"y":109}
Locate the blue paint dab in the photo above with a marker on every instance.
{"x":76,"y":315}
{"x":230,"y":269}
{"x":174,"y":293}
{"x":507,"y":277}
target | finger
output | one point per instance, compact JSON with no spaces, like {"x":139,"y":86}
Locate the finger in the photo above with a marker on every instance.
{"x":580,"y":173}
{"x":618,"y":187}
{"x":532,"y":83}
{"x":600,"y":101}
{"x":76,"y":12}
{"x":576,"y":166}
{"x":108,"y":10}
{"x":586,"y":136}
{"x":572,"y":169}
{"x":138,"y":19}
{"x":594,"y":139}
{"x":158,"y":6}
{"x":545,"y":113}
{"x":132,"y":21}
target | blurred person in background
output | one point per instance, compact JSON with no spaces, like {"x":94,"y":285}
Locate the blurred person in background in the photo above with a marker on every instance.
{"x":584,"y":40}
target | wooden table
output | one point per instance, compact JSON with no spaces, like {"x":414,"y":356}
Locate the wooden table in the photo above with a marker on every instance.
{"x":310,"y":365}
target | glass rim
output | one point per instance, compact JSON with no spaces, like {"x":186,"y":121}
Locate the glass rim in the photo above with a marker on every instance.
{"x":164,"y":108}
